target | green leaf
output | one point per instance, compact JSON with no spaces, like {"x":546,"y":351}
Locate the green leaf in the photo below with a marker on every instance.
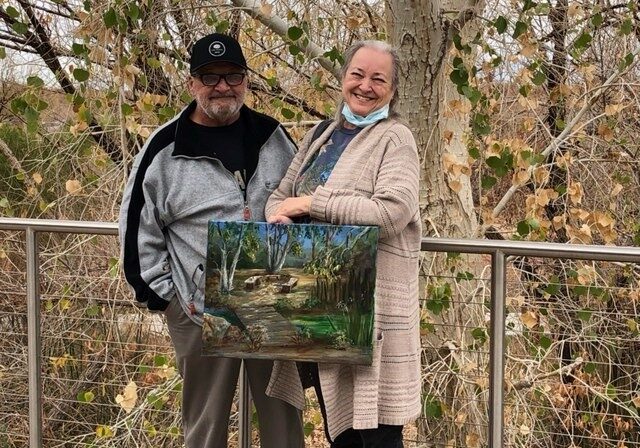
{"x":432,"y":407}
{"x":474,"y":152}
{"x":31,"y":116}
{"x":3,"y":53}
{"x":501,"y":24}
{"x":153,"y":62}
{"x":488,"y":181}
{"x":93,"y":310}
{"x":625,"y":62}
{"x":160,"y":360}
{"x":222,"y":26}
{"x":524,"y":90}
{"x":597,"y":20}
{"x":4,"y":202}
{"x":79,"y":49}
{"x":589,"y":367}
{"x":35,"y":81}
{"x":520,"y":29}
{"x":466,"y":275}
{"x":287,"y":113}
{"x":528,"y":4}
{"x":479,"y":334}
{"x":626,"y":27}
{"x":294,"y":50}
{"x":12,"y":12}
{"x":113,"y":261}
{"x":110,"y":18}
{"x":80,"y":74}
{"x":308,"y":428}
{"x":585,"y":315}
{"x":583,"y":41}
{"x":86,"y":397}
{"x":126,"y":109}
{"x":294,"y":33}
{"x":133,"y":12}
{"x":523,"y":228}
{"x":539,"y":78}
{"x":272,"y":82}
{"x":19,"y":27}
{"x":480,"y":124}
{"x":544,"y":342}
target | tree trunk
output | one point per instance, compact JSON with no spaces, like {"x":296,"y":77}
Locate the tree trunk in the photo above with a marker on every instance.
{"x":417,"y":29}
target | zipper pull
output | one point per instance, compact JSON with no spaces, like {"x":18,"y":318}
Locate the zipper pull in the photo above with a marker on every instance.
{"x":247,"y":212}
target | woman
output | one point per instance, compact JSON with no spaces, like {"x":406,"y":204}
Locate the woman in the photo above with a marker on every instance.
{"x":363,"y":170}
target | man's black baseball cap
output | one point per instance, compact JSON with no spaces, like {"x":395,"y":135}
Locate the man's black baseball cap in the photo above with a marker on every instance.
{"x":216,"y":47}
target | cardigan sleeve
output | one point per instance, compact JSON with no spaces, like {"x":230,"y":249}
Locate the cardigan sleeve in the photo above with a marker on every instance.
{"x":393,"y":204}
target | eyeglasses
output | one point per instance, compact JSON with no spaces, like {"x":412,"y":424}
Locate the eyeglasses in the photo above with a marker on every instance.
{"x":213,"y":79}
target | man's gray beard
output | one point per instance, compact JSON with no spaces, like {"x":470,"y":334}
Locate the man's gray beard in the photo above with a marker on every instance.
{"x":223,"y":112}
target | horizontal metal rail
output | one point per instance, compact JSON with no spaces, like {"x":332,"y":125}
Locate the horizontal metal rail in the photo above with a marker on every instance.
{"x":499,"y":250}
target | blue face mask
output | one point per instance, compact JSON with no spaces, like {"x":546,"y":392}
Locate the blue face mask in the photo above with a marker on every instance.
{"x":362,"y":122}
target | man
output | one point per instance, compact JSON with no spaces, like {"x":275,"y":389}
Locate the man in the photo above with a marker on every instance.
{"x":217,"y":159}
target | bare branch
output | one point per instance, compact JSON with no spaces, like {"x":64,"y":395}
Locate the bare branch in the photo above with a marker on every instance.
{"x":280,"y":27}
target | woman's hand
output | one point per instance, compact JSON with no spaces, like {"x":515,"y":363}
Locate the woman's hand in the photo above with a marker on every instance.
{"x":279,"y":219}
{"x":292,"y":207}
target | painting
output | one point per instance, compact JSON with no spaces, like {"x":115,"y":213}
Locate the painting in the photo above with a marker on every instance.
{"x":302,"y":292}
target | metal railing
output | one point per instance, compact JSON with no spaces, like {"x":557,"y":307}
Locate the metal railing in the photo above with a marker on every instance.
{"x":498,"y":250}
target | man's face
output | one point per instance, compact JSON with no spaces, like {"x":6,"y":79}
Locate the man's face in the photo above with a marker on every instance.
{"x":218,"y":105}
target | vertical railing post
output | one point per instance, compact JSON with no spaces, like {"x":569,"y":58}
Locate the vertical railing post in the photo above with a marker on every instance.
{"x":496,"y":351}
{"x":34,"y":340}
{"x":244,"y":410}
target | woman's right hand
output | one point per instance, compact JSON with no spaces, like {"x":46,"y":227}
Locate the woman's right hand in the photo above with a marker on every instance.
{"x":279,"y":219}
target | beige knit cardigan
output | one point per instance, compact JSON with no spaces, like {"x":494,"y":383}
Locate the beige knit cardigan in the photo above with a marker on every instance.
{"x":375,"y":182}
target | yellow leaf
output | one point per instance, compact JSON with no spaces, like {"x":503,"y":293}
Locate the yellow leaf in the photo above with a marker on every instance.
{"x":472,"y":440}
{"x":521,"y":177}
{"x":455,"y":185}
{"x":636,"y":401}
{"x":558,"y":222}
{"x":78,"y":128}
{"x":64,"y":304}
{"x":461,"y":418}
{"x":447,"y":135}
{"x":353,"y":22}
{"x":612,"y":109}
{"x":574,"y":10}
{"x":37,"y":178}
{"x":103,"y":431}
{"x":73,"y":187}
{"x":540,"y":175}
{"x":586,"y":275}
{"x":524,"y":430}
{"x":605,"y":132}
{"x":129,"y":397}
{"x":529,"y":49}
{"x":529,"y":319}
{"x":575,"y":193}
{"x":633,"y":326}
{"x":616,"y":190}
{"x":266,"y":9}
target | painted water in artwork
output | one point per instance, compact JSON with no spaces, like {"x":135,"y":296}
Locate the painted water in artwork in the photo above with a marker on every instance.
{"x":302,"y":292}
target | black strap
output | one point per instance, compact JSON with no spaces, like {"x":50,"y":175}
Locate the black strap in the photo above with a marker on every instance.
{"x":324,"y":124}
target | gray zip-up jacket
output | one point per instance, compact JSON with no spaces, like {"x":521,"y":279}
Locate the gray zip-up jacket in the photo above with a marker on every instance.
{"x":173,"y":192}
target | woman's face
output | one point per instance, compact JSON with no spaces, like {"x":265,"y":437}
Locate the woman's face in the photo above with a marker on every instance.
{"x":366,"y":86}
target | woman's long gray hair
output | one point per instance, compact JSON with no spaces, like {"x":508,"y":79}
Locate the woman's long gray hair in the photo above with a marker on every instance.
{"x":395,"y":68}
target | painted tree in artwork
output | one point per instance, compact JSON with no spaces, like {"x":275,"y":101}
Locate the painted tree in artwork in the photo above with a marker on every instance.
{"x":280,"y":241}
{"x":227,"y":240}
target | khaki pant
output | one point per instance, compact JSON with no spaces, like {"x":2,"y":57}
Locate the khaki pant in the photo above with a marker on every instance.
{"x":208,"y":388}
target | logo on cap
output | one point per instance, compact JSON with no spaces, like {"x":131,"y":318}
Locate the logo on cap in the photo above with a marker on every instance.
{"x":217,"y":49}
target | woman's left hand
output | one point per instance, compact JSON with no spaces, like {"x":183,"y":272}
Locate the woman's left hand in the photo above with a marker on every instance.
{"x":293,"y":207}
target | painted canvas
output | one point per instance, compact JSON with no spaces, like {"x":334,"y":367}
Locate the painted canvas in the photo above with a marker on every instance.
{"x":301,"y":292}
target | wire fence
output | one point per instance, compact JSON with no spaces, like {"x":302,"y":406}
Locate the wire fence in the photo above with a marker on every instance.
{"x":567,"y":361}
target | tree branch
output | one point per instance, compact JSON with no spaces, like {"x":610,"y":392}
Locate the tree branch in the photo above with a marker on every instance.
{"x":566,"y":133}
{"x":280,"y":27}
